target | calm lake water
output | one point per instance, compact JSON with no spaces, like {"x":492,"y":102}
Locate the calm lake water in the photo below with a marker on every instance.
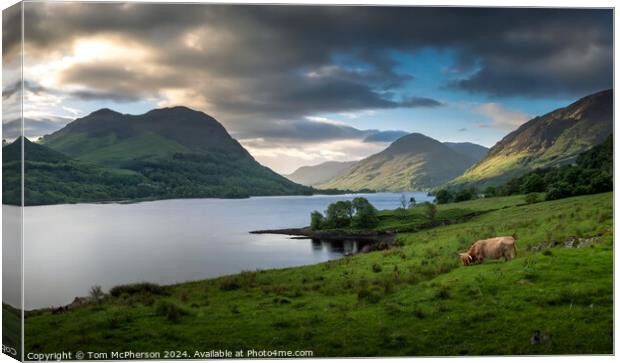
{"x":69,"y":248}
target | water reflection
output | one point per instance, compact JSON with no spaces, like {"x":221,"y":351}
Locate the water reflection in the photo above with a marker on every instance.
{"x":343,"y":247}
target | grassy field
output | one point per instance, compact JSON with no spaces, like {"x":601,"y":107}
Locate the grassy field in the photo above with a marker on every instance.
{"x":411,"y":300}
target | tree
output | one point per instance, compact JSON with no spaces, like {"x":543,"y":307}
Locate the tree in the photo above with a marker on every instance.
{"x":360,"y":203}
{"x":365,"y":217}
{"x":559,"y":190}
{"x":403,"y":206}
{"x":339,"y":214}
{"x":533,"y":183}
{"x":316,"y":220}
{"x":463,"y":195}
{"x":444,"y":196}
{"x":490,"y":191}
{"x":430,"y":210}
{"x":96,"y":293}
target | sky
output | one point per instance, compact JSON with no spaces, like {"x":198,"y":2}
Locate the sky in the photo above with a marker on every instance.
{"x":300,"y":85}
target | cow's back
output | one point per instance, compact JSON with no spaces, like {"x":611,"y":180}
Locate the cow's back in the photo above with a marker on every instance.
{"x":495,"y":247}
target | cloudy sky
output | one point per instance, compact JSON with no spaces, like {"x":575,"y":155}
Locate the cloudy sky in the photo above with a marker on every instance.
{"x":298,"y":85}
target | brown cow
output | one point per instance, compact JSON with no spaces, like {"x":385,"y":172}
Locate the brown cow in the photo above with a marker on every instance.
{"x":493,"y":248}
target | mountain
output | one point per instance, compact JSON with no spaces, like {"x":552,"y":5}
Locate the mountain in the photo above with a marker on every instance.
{"x":114,"y":139}
{"x":165,"y":153}
{"x":474,"y":151}
{"x":321,"y":173}
{"x":32,"y":152}
{"x":556,"y":138}
{"x":413,"y":162}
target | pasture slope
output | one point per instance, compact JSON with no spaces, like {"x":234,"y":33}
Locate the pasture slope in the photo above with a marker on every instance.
{"x":412,"y":300}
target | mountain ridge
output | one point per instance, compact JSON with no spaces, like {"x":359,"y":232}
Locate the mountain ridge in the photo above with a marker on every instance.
{"x":412,"y":163}
{"x":553,"y":139}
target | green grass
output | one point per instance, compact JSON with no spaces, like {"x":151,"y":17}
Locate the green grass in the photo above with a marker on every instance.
{"x":146,"y":146}
{"x":413,"y":300}
{"x":11,"y":330}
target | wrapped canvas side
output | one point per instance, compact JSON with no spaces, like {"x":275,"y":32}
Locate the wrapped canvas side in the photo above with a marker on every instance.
{"x":12,"y":182}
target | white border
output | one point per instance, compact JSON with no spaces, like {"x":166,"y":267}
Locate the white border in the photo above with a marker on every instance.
{"x":478,"y":3}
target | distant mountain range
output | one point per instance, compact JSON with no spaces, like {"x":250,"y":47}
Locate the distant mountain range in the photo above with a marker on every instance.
{"x":318,"y":174}
{"x":554,"y":139}
{"x":413,"y":162}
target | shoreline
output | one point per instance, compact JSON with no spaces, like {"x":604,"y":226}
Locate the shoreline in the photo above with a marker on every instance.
{"x":307,"y":232}
{"x":156,"y":199}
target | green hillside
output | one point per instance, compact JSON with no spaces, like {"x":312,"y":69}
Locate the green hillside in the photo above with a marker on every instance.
{"x":412,"y":163}
{"x":51,"y":178}
{"x":554,"y":139}
{"x":110,"y":138}
{"x":415,"y":299}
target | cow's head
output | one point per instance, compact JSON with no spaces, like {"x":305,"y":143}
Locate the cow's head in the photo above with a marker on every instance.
{"x":466,"y":258}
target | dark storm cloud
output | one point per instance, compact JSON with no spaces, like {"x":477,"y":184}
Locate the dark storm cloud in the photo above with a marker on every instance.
{"x":111,"y":96}
{"x":420,"y":102}
{"x":312,"y":131}
{"x":265,"y":64}
{"x":16,"y":87}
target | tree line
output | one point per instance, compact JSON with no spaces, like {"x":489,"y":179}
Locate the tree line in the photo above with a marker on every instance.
{"x":591,"y":173}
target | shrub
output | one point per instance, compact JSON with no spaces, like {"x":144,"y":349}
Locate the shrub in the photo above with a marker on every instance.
{"x":372,"y":294}
{"x":444,"y":196}
{"x":490,"y":192}
{"x":96,"y":293}
{"x":532,"y":198}
{"x":146,"y":288}
{"x":464,"y":194}
{"x":245,"y":279}
{"x":376,"y":267}
{"x":442,"y":293}
{"x":430,"y":210}
{"x":229,"y":284}
{"x":559,"y":190}
{"x":170,"y":310}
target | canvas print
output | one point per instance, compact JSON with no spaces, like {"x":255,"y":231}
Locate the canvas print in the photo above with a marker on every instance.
{"x":195,"y":181}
